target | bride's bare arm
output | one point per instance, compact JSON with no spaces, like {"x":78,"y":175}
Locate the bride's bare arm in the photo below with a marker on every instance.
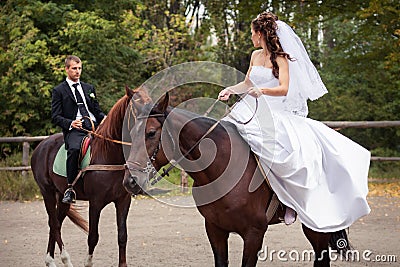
{"x":239,"y":88}
{"x":282,"y":88}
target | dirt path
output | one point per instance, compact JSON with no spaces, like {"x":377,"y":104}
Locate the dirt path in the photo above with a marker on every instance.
{"x":164,"y":235}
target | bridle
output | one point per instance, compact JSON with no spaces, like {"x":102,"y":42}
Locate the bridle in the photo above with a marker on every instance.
{"x":93,"y":132}
{"x":228,"y":113}
{"x":149,"y":169}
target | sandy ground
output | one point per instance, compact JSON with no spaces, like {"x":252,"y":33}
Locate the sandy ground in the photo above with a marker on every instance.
{"x":164,"y":235}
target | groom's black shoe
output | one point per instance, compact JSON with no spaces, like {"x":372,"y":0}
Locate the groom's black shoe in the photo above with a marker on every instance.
{"x":69,"y":196}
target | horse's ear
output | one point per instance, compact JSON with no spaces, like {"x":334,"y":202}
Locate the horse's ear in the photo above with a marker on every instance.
{"x":163,"y":103}
{"x":128,"y":91}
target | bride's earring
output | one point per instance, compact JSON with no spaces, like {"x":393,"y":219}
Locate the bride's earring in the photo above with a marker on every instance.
{"x":258,"y":43}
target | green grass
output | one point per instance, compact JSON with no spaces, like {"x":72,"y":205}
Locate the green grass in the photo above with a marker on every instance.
{"x":15,"y":186}
{"x":384,"y":170}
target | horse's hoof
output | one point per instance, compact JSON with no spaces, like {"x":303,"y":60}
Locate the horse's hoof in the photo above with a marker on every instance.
{"x":50,"y":261}
{"x":66,"y":260}
{"x":89,"y":261}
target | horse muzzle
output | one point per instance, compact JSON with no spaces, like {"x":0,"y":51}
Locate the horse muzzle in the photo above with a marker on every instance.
{"x":135,"y":182}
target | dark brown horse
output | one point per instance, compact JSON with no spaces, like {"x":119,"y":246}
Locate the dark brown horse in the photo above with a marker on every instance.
{"x":224,"y":171}
{"x":98,"y":187}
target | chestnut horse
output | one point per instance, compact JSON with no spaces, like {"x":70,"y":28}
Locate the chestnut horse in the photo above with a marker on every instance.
{"x":224,"y":171}
{"x":98,"y":187}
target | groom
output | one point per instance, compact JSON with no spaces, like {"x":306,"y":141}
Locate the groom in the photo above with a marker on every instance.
{"x":73,"y":107}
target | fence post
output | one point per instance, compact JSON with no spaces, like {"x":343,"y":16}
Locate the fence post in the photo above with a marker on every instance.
{"x":25,"y":156}
{"x":184,"y":181}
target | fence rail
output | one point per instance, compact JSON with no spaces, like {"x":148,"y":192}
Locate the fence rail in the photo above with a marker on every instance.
{"x":25,"y":150}
{"x":361,"y":124}
{"x":25,"y":140}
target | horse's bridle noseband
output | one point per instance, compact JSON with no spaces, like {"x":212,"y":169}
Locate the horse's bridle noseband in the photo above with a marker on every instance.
{"x":149,"y":169}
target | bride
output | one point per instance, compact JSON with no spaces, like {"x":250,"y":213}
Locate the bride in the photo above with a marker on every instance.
{"x":316,"y":172}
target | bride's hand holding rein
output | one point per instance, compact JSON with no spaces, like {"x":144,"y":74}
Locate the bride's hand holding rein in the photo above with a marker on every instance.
{"x":255,"y":92}
{"x":224,"y":94}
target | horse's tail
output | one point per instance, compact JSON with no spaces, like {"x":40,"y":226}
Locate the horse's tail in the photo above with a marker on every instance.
{"x":74,"y":215}
{"x":339,"y":242}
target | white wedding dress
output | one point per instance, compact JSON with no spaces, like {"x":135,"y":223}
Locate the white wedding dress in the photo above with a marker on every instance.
{"x":313,"y":169}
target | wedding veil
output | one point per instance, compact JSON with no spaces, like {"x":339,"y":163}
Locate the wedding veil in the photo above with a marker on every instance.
{"x":304,"y":80}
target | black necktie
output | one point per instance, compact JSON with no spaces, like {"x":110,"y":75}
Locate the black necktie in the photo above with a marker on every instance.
{"x":79,"y":101}
{"x":82,"y":107}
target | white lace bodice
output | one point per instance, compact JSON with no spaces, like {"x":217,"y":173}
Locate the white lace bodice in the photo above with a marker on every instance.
{"x":262,"y":77}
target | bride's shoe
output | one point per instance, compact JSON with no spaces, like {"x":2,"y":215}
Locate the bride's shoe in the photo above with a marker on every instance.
{"x":290,"y":216}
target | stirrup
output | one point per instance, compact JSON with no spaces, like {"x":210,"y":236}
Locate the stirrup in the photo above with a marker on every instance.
{"x":70,"y":189}
{"x":73,"y":198}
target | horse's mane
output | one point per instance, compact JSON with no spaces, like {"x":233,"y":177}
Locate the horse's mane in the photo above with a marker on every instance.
{"x":117,"y":113}
{"x":111,"y":127}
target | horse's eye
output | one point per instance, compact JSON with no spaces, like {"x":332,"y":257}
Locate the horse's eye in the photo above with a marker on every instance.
{"x":151,"y":134}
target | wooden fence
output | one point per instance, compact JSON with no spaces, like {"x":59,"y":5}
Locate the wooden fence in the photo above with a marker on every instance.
{"x":25,"y":140}
{"x":333,"y":124}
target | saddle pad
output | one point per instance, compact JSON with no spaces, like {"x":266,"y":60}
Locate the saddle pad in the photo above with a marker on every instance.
{"x":60,"y":162}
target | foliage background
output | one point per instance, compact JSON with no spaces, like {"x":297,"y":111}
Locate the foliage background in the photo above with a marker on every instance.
{"x":127,"y":41}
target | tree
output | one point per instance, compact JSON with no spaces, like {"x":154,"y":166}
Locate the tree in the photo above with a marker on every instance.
{"x":26,"y":67}
{"x":354,"y":45}
{"x":34,"y":45}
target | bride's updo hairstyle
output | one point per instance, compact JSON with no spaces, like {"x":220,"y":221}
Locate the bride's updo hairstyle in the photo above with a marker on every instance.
{"x":265,"y":23}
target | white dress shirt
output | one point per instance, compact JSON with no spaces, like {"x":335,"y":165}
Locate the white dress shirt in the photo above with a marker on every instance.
{"x":79,"y":115}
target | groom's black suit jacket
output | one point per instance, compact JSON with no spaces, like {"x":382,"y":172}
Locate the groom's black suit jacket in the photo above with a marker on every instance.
{"x":64,"y":107}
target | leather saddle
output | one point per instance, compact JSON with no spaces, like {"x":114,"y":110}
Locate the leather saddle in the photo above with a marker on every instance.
{"x":59,"y":165}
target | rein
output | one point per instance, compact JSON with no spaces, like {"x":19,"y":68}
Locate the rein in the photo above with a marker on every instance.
{"x":92,"y":132}
{"x":106,"y":138}
{"x":100,"y":167}
{"x":237,"y":101}
{"x":227,"y":113}
{"x":173,"y":165}
{"x":165,"y":172}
